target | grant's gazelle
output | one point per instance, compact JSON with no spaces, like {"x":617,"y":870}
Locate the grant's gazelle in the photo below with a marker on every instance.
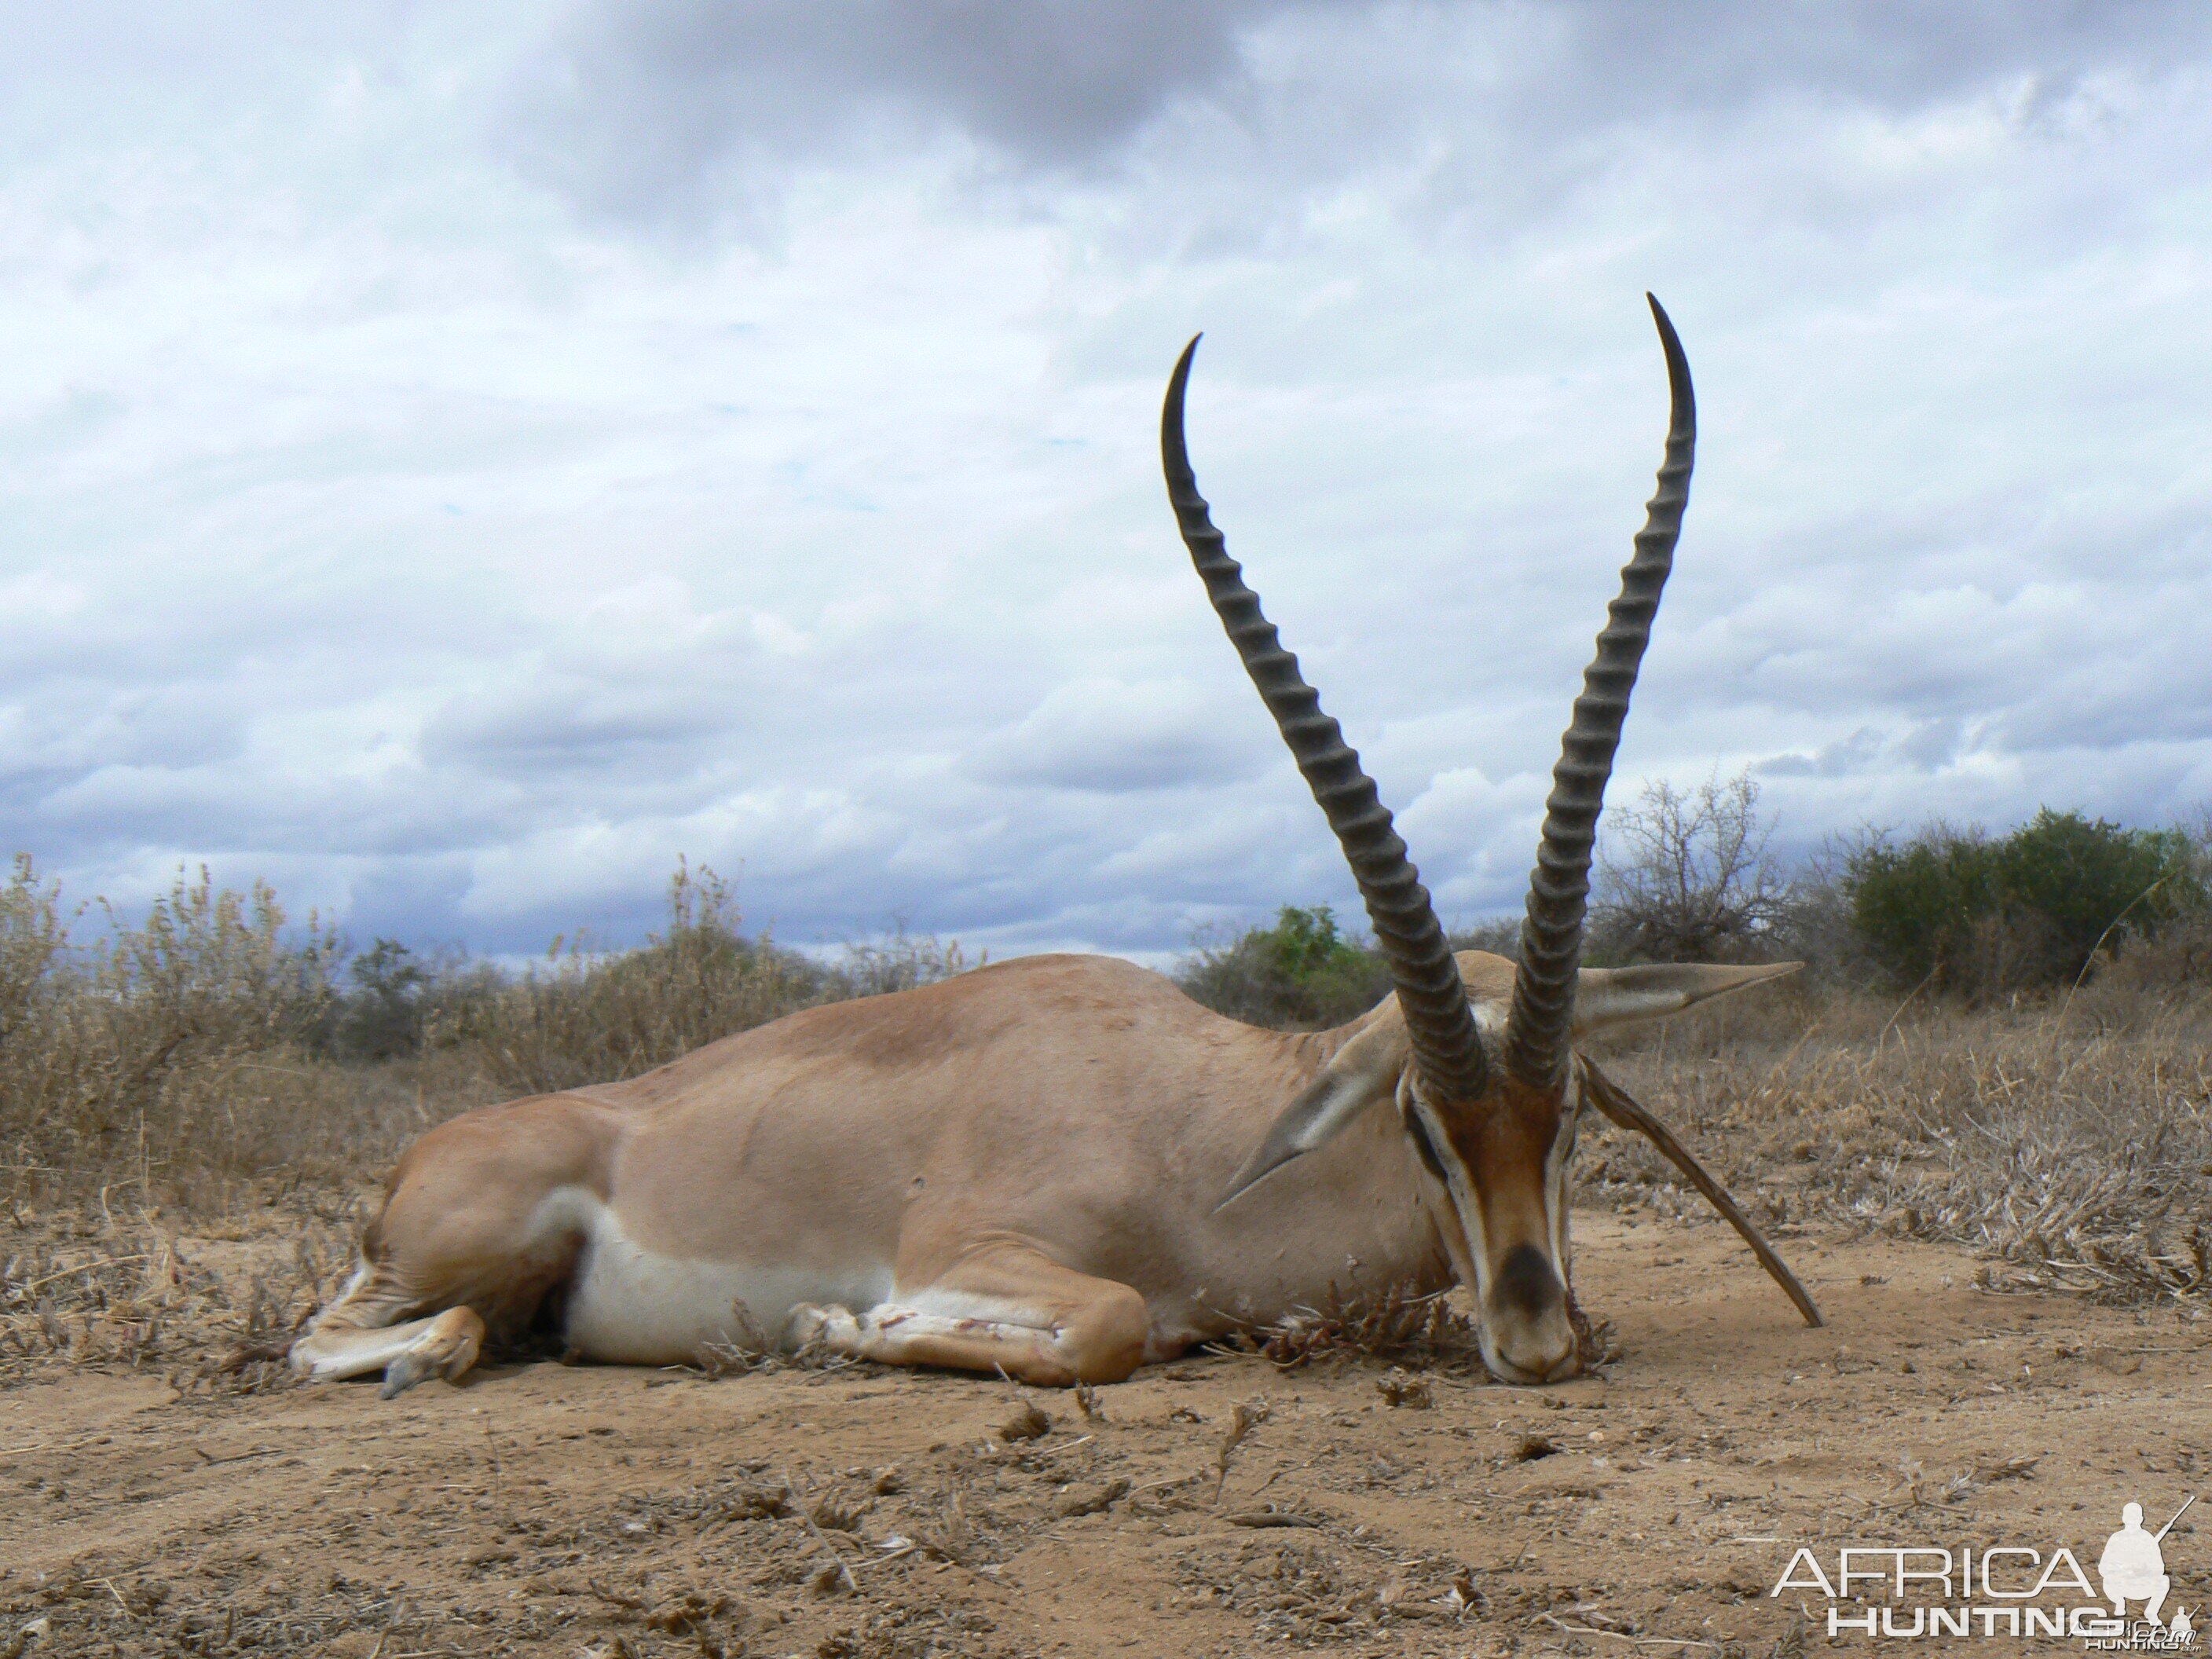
{"x":1061,"y":1167}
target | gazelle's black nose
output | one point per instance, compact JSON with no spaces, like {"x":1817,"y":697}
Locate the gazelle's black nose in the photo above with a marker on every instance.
{"x":1527,"y":1337}
{"x":1527,"y":1283}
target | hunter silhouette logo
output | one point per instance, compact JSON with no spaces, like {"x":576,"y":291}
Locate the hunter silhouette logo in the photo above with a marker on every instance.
{"x":2011,"y":1590}
{"x":2133,"y":1568}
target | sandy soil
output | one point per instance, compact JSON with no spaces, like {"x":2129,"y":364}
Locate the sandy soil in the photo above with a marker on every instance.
{"x":544,"y":1510}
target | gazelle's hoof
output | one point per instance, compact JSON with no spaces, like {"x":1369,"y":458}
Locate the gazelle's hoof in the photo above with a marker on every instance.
{"x":814,"y":1329}
{"x":447,"y":1349}
{"x":403,"y":1373}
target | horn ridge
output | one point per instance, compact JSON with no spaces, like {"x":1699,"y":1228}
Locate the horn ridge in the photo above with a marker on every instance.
{"x":1536,"y":1030}
{"x":1447,"y":1049}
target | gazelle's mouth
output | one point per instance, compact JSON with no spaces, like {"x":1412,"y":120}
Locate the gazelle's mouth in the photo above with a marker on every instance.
{"x":1539,"y":1339}
{"x":1568,"y":1365}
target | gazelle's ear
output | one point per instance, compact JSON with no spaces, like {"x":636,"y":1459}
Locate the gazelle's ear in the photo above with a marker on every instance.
{"x":1364,"y":1073}
{"x":1618,"y":996}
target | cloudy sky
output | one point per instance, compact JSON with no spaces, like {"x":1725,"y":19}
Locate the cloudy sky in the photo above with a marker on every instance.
{"x":456,"y":460}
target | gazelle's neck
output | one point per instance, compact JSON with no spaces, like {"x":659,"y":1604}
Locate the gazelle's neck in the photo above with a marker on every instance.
{"x":1315,"y":1049}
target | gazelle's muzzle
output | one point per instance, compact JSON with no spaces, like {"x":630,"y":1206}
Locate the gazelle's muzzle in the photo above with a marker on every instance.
{"x":1519,"y":1288}
{"x":1528,"y":1332}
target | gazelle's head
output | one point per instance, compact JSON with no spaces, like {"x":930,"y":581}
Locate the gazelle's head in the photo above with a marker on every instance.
{"x":1492,"y":1165}
{"x":1476,"y":1054}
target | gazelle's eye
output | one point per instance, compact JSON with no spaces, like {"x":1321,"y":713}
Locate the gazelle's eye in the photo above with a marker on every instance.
{"x":1426,"y":1147}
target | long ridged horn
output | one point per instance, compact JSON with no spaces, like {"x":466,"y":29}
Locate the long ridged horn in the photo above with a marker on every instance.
{"x":1536,"y":1032}
{"x":1446,"y":1049}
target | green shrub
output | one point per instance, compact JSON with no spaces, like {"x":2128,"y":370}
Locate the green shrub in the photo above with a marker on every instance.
{"x":1302,"y":974}
{"x":1964,"y":912}
{"x":382,"y":1016}
{"x":2081,"y":878}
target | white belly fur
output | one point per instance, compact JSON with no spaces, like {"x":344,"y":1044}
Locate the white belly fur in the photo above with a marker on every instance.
{"x":630,"y":1305}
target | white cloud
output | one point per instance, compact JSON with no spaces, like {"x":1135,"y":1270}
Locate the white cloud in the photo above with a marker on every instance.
{"x":1107,"y":736}
{"x":455,"y":462}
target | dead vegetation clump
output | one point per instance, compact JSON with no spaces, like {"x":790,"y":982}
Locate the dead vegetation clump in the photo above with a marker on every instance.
{"x":1401,"y":1392}
{"x":752,"y":1351}
{"x":1027,"y":1423}
{"x":1402,"y":1325}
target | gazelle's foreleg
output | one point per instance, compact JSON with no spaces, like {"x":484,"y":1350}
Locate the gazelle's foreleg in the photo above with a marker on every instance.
{"x":1003,"y":1307}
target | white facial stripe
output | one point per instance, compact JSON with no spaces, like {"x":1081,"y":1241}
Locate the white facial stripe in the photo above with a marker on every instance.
{"x":1472,"y":1233}
{"x":1462,"y":1188}
{"x":1556,"y":1162}
{"x":1557,"y":1158}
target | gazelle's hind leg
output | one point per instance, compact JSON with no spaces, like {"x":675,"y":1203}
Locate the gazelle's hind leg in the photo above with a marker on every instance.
{"x":485,"y":1216}
{"x":445,"y":1345}
{"x":367,"y":1329}
{"x":1004,"y":1307}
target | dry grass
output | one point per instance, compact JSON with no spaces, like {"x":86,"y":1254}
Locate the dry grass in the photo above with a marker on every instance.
{"x":177,"y":1064}
{"x":183,"y":1063}
{"x":2068,"y":1141}
{"x":124,"y":1292}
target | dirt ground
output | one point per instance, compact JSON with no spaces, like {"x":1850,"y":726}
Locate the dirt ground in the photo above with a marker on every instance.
{"x":556,"y":1510}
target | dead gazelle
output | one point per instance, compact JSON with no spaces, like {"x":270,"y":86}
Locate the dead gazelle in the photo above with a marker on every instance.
{"x":1024,"y":1168}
